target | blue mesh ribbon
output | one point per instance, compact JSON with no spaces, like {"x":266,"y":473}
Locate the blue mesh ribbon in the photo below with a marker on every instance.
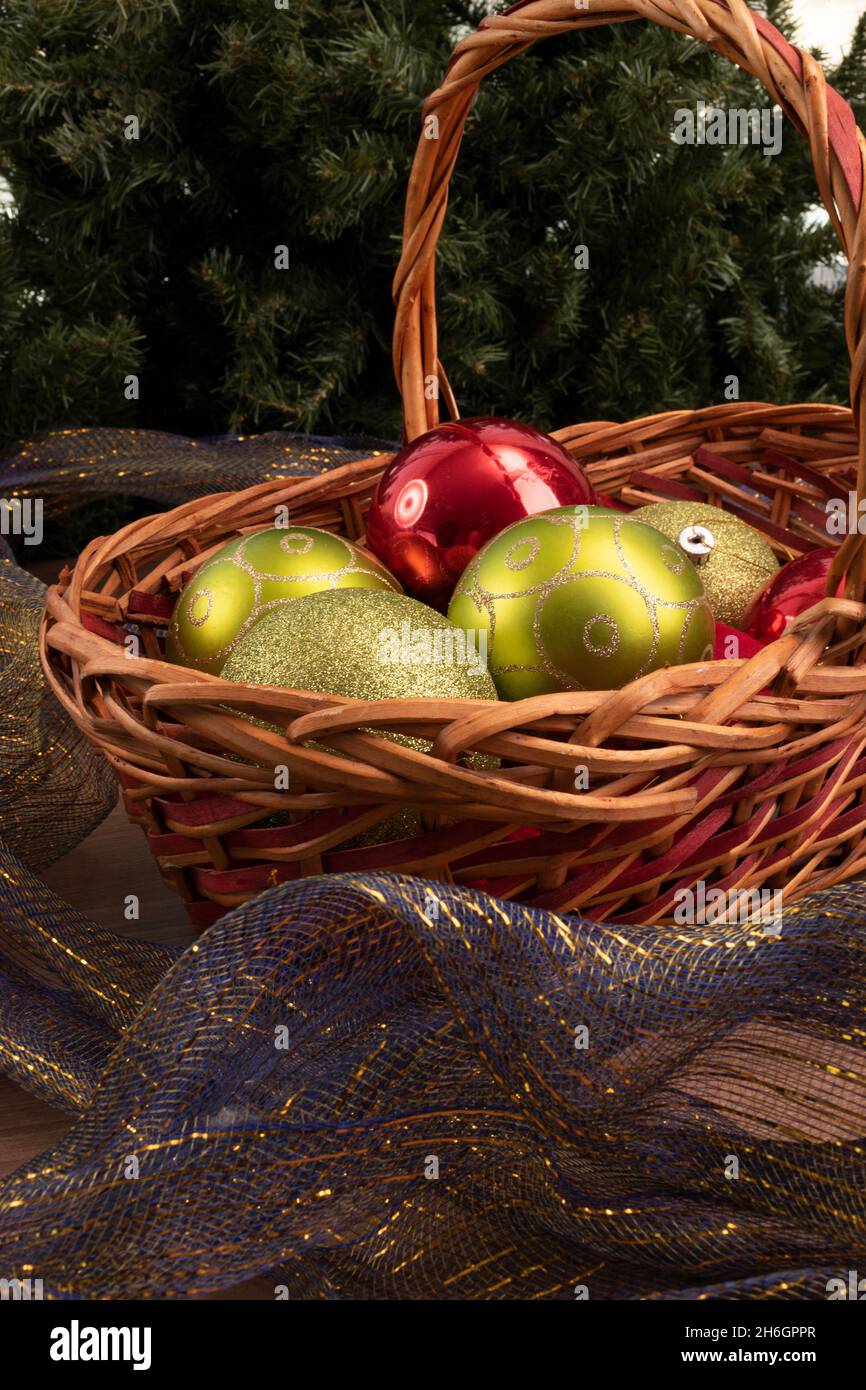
{"x":376,"y":1086}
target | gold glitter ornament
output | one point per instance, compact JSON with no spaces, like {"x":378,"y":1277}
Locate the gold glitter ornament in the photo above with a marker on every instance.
{"x":252,"y":576}
{"x":367,"y":644}
{"x":733,"y":559}
{"x":582,"y":598}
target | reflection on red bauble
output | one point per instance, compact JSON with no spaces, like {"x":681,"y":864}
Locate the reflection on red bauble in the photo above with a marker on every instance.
{"x":796,"y":587}
{"x":452,"y":489}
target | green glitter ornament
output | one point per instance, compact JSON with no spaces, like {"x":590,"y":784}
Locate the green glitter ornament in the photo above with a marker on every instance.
{"x":733,"y":559}
{"x":582,"y":598}
{"x":367,"y":644}
{"x":253,"y":576}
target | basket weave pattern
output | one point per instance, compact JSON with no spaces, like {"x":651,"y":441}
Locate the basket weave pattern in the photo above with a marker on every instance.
{"x":740,"y":774}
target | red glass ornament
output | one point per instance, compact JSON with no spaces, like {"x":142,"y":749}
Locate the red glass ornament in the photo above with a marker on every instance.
{"x":796,"y":587}
{"x":731,"y":642}
{"x":454,"y":488}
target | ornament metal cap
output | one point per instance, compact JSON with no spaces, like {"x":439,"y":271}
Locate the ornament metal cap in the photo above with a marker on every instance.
{"x":698,"y":542}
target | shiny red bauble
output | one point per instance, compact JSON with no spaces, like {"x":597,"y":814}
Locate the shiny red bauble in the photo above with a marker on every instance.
{"x":797,"y":586}
{"x":452,"y":489}
{"x":732,"y":644}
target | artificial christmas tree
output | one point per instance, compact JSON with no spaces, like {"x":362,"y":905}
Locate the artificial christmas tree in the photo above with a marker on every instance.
{"x":158,"y":159}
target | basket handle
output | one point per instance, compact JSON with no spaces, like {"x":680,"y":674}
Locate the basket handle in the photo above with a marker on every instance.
{"x":794,"y":80}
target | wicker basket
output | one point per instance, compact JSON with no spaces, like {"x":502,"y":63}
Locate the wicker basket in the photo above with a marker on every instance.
{"x":736,"y":774}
